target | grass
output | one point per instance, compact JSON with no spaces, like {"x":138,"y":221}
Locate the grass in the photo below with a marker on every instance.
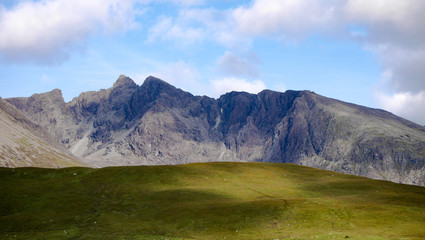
{"x":206,"y":201}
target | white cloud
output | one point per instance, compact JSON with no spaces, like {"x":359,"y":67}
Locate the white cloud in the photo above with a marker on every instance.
{"x":292,"y":18}
{"x":237,"y":65}
{"x":386,"y":21}
{"x":224,"y":85}
{"x":234,"y":28}
{"x":379,"y":10}
{"x":187,"y":2}
{"x":195,"y":25}
{"x":166,"y":29}
{"x":184,"y":3}
{"x":46,"y":31}
{"x":404,"y":104}
{"x":405,"y":67}
{"x":392,"y":22}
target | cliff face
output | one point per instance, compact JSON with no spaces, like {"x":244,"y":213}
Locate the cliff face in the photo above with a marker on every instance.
{"x":26,"y":144}
{"x":156,"y":123}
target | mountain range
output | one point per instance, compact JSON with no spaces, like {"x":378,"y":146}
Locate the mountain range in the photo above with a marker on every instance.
{"x":157,"y":124}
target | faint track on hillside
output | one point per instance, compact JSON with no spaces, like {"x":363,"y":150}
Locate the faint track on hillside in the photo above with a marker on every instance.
{"x":285,"y":203}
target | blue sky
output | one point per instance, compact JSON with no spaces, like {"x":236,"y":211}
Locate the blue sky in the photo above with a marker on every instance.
{"x":366,"y":52}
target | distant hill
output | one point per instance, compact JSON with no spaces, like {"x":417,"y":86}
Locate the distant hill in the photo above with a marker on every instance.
{"x":206,"y":201}
{"x":24,"y":144}
{"x":156,"y":123}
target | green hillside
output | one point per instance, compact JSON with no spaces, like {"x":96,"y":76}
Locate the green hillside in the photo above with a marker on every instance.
{"x":206,"y":201}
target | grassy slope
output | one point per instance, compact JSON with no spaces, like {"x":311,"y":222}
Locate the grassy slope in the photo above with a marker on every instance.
{"x":206,"y":201}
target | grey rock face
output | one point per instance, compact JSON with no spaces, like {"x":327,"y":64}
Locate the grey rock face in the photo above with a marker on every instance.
{"x":156,"y":123}
{"x":26,"y":144}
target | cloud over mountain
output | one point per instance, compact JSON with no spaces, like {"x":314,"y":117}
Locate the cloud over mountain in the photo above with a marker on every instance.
{"x":48,"y":32}
{"x":393,"y":30}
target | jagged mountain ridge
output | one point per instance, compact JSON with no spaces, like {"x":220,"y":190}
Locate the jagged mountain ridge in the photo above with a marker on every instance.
{"x":25,"y":144}
{"x":156,"y":123}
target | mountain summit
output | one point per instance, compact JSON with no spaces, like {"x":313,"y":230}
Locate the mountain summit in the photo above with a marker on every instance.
{"x":156,"y":123}
{"x":123,"y":81}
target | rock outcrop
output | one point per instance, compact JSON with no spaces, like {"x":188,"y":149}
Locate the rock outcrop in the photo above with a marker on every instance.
{"x":156,"y":123}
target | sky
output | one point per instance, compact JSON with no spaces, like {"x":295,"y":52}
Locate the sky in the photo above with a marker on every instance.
{"x":366,"y":52}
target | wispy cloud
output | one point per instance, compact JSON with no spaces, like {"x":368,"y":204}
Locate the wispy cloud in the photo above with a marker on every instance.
{"x":184,"y":3}
{"x":166,"y":29}
{"x":197,"y":25}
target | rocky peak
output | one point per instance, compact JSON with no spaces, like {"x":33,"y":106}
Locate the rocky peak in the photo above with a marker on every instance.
{"x":156,"y":86}
{"x":89,"y":103}
{"x":124,"y":81}
{"x":56,"y":92}
{"x":154,"y":80}
{"x":156,"y":92}
{"x":50,"y":99}
{"x":54,"y":96}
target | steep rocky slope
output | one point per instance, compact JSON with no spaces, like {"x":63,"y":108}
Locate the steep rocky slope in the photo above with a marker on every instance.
{"x":24,"y":144}
{"x":156,"y":123}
